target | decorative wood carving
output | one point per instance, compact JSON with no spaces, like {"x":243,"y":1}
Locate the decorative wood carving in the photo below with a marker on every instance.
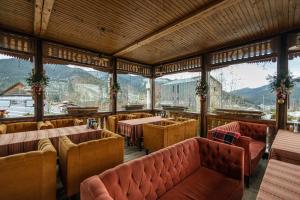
{"x":134,"y":68}
{"x":55,"y":53}
{"x":190,"y":64}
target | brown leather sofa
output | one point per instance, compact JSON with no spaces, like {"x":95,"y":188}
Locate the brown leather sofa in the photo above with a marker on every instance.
{"x":30,"y":175}
{"x":80,"y":161}
{"x":162,"y":134}
{"x":253,"y":140}
{"x":59,"y":123}
{"x":196,"y":168}
{"x":22,"y":126}
{"x":112,"y":121}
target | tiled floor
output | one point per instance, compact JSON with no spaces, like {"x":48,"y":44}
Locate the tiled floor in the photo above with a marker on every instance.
{"x":133,"y":152}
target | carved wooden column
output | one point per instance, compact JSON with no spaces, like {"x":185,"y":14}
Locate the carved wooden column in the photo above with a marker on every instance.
{"x":203,"y":102}
{"x":39,"y":69}
{"x":282,"y":69}
{"x":114,"y":82}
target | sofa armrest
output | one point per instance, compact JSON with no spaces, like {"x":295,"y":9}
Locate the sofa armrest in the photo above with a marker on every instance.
{"x":3,"y":129}
{"x":223,"y":158}
{"x":111,"y":123}
{"x":69,"y":165}
{"x":78,"y":122}
{"x":94,"y":189}
{"x":154,"y":137}
{"x":254,"y":130}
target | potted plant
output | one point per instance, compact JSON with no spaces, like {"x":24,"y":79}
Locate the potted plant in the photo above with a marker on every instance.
{"x":115,"y":88}
{"x":282,"y":85}
{"x":37,"y":82}
{"x":201,"y":89}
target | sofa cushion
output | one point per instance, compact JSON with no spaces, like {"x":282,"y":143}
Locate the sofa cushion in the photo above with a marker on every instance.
{"x":205,"y":184}
{"x":257,"y":149}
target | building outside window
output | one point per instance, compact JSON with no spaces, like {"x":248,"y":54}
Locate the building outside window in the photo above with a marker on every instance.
{"x":72,"y":85}
{"x":15,"y":95}
{"x":177,"y":90}
{"x":294,"y":98}
{"x":135,"y":93}
{"x":243,"y":87}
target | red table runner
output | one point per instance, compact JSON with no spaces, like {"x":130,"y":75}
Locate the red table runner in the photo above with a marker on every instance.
{"x":13,"y":143}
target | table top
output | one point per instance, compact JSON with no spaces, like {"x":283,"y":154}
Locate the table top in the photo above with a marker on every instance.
{"x":12,"y":138}
{"x":281,"y":181}
{"x":140,"y":121}
{"x":287,"y":141}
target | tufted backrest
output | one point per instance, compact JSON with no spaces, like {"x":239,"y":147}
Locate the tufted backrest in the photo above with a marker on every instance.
{"x":59,"y":123}
{"x":232,"y":126}
{"x":21,"y":126}
{"x":224,"y":158}
{"x":253,"y":130}
{"x":151,"y":176}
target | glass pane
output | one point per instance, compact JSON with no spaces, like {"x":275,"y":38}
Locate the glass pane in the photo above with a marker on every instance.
{"x":177,"y":90}
{"x":135,"y":92}
{"x":72,"y":85}
{"x":294,"y":98}
{"x":15,"y":95}
{"x":243,"y":87}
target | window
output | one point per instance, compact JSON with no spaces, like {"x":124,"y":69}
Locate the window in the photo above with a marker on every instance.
{"x":243,"y":87}
{"x":135,"y":92}
{"x":72,"y":85}
{"x":15,"y":95}
{"x":294,"y":98}
{"x":177,"y":90}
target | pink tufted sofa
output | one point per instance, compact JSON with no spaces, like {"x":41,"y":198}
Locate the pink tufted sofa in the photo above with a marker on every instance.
{"x":196,"y":168}
{"x":253,"y":140}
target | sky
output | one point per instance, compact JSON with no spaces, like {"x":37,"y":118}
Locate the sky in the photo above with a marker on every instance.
{"x":233,"y":77}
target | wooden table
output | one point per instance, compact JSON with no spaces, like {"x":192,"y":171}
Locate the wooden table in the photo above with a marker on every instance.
{"x":286,"y":147}
{"x":13,"y":143}
{"x":281,"y":181}
{"x":133,"y":129}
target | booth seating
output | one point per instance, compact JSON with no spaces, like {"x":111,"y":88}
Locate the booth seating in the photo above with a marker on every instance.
{"x":82,"y":160}
{"x":252,"y":139}
{"x":30,"y":175}
{"x":196,"y":168}
{"x":59,"y":123}
{"x":141,"y":115}
{"x":23,"y":126}
{"x":112,"y":121}
{"x":162,"y":134}
{"x":190,"y":126}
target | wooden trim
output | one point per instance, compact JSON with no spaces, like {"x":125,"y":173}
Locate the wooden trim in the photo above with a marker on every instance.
{"x":114,"y":81}
{"x":203,"y":102}
{"x":282,"y":69}
{"x":42,"y":12}
{"x":210,"y":8}
{"x":39,"y":69}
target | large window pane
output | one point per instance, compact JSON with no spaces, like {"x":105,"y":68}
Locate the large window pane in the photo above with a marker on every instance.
{"x":15,"y":95}
{"x":75,"y":86}
{"x":135,"y":92}
{"x":294,"y":98}
{"x":243,"y":87}
{"x":177,"y":90}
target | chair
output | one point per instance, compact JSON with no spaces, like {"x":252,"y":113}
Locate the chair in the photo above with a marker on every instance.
{"x":141,"y":115}
{"x":190,"y":126}
{"x":30,"y":175}
{"x":59,"y":123}
{"x":112,"y":121}
{"x":79,"y":161}
{"x":253,"y":140}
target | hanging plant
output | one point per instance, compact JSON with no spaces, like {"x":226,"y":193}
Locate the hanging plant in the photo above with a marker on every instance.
{"x":282,"y":85}
{"x":201,"y":89}
{"x":115,"y":88}
{"x":37,"y":83}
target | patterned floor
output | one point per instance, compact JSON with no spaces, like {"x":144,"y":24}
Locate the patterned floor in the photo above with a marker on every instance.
{"x":133,"y":152}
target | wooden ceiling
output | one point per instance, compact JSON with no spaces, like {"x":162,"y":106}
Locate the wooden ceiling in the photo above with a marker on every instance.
{"x":150,"y":31}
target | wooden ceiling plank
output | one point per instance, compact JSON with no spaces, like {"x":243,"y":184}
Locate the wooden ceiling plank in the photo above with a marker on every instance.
{"x":37,"y":22}
{"x":245,"y":15}
{"x":190,"y":19}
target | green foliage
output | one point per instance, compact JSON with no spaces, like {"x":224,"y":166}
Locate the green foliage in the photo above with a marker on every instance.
{"x":283,"y":83}
{"x":36,"y":80}
{"x":201,"y":88}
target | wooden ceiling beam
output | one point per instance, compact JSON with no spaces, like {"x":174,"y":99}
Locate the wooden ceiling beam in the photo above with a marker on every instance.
{"x":179,"y":24}
{"x":42,"y":12}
